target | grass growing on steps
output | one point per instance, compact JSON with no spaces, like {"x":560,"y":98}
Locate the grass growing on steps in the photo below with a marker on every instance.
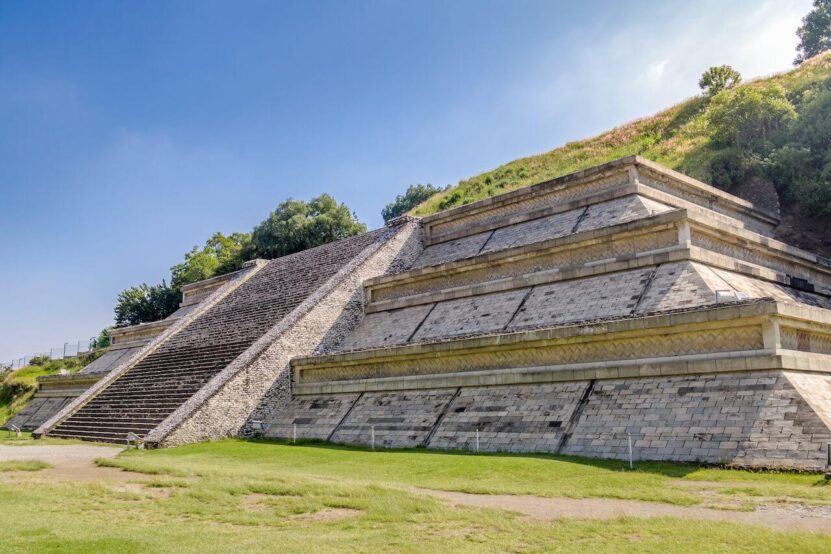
{"x":262,"y":497}
{"x":23,"y":465}
{"x":17,"y":387}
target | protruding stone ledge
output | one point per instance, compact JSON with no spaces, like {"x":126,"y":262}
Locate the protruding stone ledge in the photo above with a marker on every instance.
{"x":727,"y":338}
{"x":752,"y":360}
{"x":439,"y":227}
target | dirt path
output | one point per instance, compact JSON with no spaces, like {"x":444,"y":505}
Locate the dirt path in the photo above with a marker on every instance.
{"x":798,"y":518}
{"x":74,"y":462}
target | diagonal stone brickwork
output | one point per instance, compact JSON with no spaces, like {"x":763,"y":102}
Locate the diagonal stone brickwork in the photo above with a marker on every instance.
{"x":620,"y":210}
{"x":400,"y":419}
{"x":476,"y":314}
{"x":610,"y":295}
{"x":536,"y":230}
{"x":465,"y":247}
{"x":313,"y":417}
{"x":387,"y":328}
{"x":755,"y":418}
{"x":529,"y":418}
{"x":679,"y":285}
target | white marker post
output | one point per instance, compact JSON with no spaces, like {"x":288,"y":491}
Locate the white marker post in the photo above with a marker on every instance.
{"x":294,"y":434}
{"x":477,"y":440}
{"x":373,"y":437}
{"x":629,"y":435}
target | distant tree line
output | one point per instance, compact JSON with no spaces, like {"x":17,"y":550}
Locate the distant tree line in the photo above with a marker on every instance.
{"x":294,"y":226}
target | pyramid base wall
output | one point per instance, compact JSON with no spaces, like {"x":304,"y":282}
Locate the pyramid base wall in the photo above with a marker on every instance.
{"x":770,"y":418}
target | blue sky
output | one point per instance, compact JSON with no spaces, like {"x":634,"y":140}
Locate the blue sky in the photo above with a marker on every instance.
{"x":131,"y":131}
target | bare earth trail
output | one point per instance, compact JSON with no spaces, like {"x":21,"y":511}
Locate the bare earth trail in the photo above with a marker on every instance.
{"x":76,"y":462}
{"x":797,"y":518}
{"x":70,"y":462}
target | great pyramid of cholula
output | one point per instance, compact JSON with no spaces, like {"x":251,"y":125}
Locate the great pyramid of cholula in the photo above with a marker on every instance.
{"x":626,"y":302}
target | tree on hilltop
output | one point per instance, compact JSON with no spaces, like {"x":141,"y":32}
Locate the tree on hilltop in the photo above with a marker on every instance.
{"x":815,"y":32}
{"x":414,"y":195}
{"x":719,"y":78}
{"x":297,"y":225}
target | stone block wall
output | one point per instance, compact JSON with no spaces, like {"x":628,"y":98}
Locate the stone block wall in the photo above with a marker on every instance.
{"x":755,"y":418}
{"x":310,"y":417}
{"x":527,"y":418}
{"x":257,"y":383}
{"x":759,"y":418}
{"x":400,"y":419}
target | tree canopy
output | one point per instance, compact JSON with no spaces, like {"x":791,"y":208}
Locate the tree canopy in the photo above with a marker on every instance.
{"x":297,"y":225}
{"x":719,"y":78}
{"x":815,"y":32}
{"x":145,"y":303}
{"x":294,"y":226}
{"x":414,"y":195}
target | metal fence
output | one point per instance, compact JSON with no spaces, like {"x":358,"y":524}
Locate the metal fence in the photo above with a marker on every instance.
{"x":68,"y":350}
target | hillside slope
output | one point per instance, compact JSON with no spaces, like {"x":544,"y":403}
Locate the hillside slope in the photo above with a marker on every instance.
{"x":684,"y":137}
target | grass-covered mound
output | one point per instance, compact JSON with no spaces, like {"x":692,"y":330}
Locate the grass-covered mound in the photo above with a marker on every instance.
{"x":17,"y":387}
{"x":776,"y":128}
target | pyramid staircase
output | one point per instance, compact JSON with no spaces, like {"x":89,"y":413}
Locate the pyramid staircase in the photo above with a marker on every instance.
{"x":137,"y":398}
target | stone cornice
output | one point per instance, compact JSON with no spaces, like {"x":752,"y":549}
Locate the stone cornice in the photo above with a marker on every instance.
{"x":672,"y":183}
{"x":698,"y":237}
{"x":736,"y":337}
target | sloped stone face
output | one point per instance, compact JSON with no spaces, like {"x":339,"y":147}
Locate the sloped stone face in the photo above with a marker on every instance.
{"x":604,"y":296}
{"x":530,"y":418}
{"x":621,"y":210}
{"x":477,"y":314}
{"x":387,"y":328}
{"x":37,"y":411}
{"x":398,"y":420}
{"x":756,"y":419}
{"x":314,"y":417}
{"x":507,"y":234}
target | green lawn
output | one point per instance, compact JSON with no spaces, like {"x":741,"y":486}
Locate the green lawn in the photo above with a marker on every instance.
{"x":255,"y":496}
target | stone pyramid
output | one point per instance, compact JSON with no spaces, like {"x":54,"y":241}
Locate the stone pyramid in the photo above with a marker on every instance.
{"x":626,"y":301}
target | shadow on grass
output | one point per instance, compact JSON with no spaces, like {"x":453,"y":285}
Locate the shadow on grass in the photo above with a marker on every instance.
{"x":667,"y":469}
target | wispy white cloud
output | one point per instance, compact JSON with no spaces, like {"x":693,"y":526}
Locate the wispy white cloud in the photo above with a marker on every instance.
{"x":633,"y":70}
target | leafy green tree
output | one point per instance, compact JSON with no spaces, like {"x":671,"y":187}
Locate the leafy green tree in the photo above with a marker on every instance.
{"x":297,"y":225}
{"x":145,"y":303}
{"x":102,"y":341}
{"x":815,"y":32}
{"x":221,"y":254}
{"x":415,"y":195}
{"x":748,"y":118}
{"x":719,"y":78}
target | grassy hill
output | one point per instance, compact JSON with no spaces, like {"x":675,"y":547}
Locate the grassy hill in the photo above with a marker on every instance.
{"x":17,"y":387}
{"x":694,"y":137}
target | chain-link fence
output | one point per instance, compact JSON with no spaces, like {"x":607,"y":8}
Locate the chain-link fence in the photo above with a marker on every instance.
{"x":68,"y":350}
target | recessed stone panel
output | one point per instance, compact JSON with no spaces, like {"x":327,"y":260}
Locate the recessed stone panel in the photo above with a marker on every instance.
{"x":386,"y":328}
{"x":486,"y":313}
{"x":397,"y":419}
{"x":527,"y":418}
{"x":310,"y":417}
{"x":603,"y":296}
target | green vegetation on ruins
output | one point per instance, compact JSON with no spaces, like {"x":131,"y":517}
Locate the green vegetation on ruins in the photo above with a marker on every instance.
{"x":17,"y":387}
{"x":293,"y":226}
{"x":776,"y":128}
{"x":257,"y":497}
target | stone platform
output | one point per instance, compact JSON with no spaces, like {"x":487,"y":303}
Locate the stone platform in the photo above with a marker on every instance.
{"x":625,"y":301}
